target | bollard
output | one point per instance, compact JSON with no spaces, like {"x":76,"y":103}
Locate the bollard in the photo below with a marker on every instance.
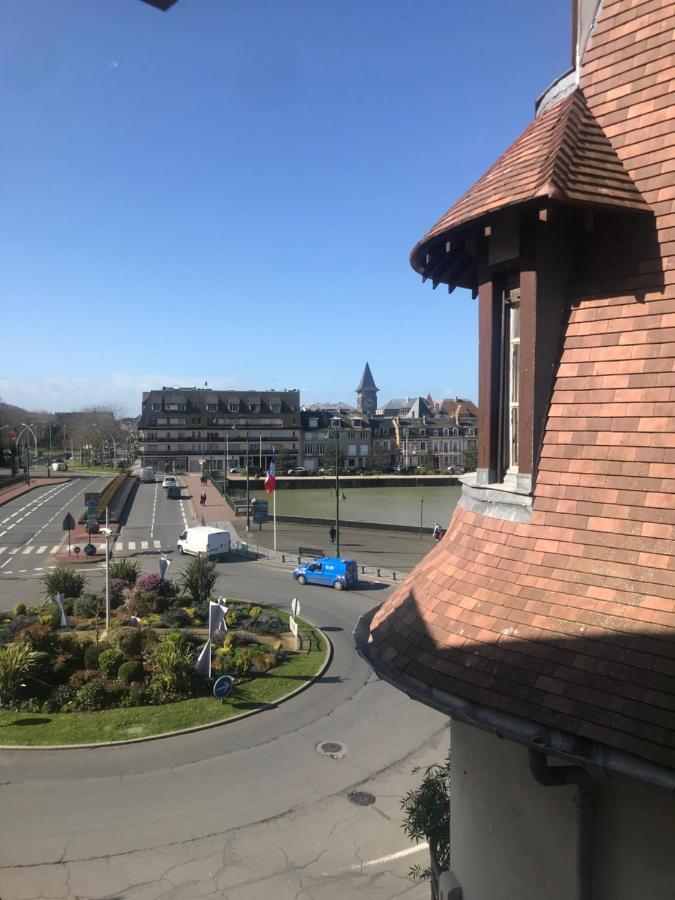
{"x":378,"y":573}
{"x":283,"y":557}
{"x":363,"y":570}
{"x":394,"y":576}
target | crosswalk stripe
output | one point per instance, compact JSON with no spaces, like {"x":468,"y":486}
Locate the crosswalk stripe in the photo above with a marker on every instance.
{"x":14,"y":550}
{"x":55,"y":548}
{"x":144,"y":545}
{"x":158,"y":545}
{"x":41,"y":549}
{"x":131,"y":545}
{"x":28,"y":550}
{"x":2,"y":549}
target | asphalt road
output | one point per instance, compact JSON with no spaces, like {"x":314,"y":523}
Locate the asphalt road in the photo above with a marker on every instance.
{"x":247,"y":810}
{"x":31,"y":529}
{"x":153,"y":520}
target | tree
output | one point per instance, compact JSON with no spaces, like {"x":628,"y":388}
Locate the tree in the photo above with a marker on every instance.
{"x":427,"y":817}
{"x":16,"y":663}
{"x":199,"y":578}
{"x":470,"y":456}
{"x":285,"y":460}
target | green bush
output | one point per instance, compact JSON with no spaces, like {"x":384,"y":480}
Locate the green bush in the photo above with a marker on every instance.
{"x":91,"y":654}
{"x":126,"y":570}
{"x":231,"y":618}
{"x":128,"y":639}
{"x":20,"y":609}
{"x":60,"y":672}
{"x":426,"y":816}
{"x":198,"y":578}
{"x":88,"y":607}
{"x":173,"y":659}
{"x":109,"y":662}
{"x":16,"y":663}
{"x":70,"y":646}
{"x":131,"y":672}
{"x":40,"y":637}
{"x":60,"y":696}
{"x":176,"y":617}
{"x":91,"y":697}
{"x":63,"y":580}
{"x":255,"y":612}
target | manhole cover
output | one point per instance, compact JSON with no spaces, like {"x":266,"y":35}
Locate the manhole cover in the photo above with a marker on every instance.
{"x":332,"y":748}
{"x":361,"y":798}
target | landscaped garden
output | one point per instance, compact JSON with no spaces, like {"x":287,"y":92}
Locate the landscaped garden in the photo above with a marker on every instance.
{"x":82,"y":684}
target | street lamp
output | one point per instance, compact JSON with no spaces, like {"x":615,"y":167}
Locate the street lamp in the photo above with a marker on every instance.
{"x":107,"y":531}
{"x":30,"y":429}
{"x":334,"y":431}
{"x":248,"y":494}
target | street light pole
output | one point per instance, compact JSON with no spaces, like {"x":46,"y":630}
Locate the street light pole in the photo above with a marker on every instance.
{"x":106,"y":532}
{"x":248,"y":502}
{"x":334,"y":430}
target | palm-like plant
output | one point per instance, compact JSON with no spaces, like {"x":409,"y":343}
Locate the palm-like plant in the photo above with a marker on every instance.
{"x":174,"y":662}
{"x":16,"y":663}
{"x":65,"y":581}
{"x":199,"y":578}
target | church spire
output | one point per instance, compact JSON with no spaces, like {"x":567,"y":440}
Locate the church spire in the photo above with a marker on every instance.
{"x":366,"y":393}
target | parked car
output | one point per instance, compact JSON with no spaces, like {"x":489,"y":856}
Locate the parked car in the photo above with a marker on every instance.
{"x":168,"y":480}
{"x":327,"y":470}
{"x":173,"y":491}
{"x":330,"y":571}
{"x":297,"y":470}
{"x":234,"y":470}
{"x":59,"y":466}
{"x":455,"y":470}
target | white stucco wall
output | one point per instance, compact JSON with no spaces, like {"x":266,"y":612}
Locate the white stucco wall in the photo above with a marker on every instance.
{"x":512,"y":839}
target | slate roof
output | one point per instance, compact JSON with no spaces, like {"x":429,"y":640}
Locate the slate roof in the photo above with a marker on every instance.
{"x":562,"y":155}
{"x":367,"y":383}
{"x":568,"y":620}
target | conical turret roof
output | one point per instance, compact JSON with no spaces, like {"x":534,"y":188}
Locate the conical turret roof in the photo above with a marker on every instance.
{"x":367,"y":383}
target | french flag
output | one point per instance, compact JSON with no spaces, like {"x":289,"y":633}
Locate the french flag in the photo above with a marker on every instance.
{"x":270,"y":478}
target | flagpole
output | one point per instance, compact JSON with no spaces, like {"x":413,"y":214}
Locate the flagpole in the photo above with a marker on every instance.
{"x":274,"y":510}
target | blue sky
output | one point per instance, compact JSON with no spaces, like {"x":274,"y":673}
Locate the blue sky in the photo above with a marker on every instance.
{"x":229,"y":192}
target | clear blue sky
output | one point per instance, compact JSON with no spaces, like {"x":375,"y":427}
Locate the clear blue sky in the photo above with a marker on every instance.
{"x":230,"y":191}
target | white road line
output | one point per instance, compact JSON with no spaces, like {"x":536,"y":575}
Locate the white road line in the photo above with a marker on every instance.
{"x":131,"y":545}
{"x":2,"y":549}
{"x":41,"y":549}
{"x":144,"y":545}
{"x":154,"y":510}
{"x":392,"y":856}
{"x":28,"y":550}
{"x":157,"y":545}
{"x":55,"y":548}
{"x":13,"y":551}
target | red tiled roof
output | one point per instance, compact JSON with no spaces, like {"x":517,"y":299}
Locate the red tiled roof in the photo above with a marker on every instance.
{"x":562,"y":155}
{"x":568,"y":620}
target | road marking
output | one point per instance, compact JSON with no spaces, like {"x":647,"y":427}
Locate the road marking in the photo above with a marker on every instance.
{"x":157,"y":545}
{"x":13,"y":551}
{"x":2,"y":549}
{"x":131,"y":545}
{"x":55,"y":548}
{"x":392,"y":856}
{"x":41,"y":549}
{"x":28,"y":550}
{"x":144,"y":545}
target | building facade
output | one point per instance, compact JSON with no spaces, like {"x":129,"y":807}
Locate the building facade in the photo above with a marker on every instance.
{"x":543,"y":624}
{"x":196,"y":429}
{"x":328,"y":438}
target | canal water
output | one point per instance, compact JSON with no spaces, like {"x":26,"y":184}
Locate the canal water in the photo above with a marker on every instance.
{"x":385,"y":505}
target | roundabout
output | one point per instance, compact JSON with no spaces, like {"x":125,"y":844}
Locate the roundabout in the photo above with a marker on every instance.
{"x":235,"y":811}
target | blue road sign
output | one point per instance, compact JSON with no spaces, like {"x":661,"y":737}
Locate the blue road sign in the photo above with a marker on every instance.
{"x":223,"y":686}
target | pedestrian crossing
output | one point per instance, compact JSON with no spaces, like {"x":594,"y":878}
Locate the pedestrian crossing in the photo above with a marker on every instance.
{"x":118,"y":547}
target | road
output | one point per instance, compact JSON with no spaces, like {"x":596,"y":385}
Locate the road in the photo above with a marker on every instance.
{"x":31,"y":529}
{"x":243,"y":811}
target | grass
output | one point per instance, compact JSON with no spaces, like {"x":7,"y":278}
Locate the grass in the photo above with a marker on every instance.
{"x":100,"y":470}
{"x":36,"y":729}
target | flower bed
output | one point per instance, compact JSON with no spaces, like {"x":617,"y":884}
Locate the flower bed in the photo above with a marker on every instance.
{"x":82,"y":685}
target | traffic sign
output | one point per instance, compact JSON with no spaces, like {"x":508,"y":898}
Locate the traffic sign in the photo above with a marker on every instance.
{"x":77,"y":550}
{"x":259,"y":509}
{"x":295,"y":607}
{"x":223,"y":686}
{"x":293,"y":625}
{"x":68,"y":522}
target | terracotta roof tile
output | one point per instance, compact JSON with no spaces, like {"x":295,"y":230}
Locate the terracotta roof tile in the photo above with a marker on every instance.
{"x":562,"y":155}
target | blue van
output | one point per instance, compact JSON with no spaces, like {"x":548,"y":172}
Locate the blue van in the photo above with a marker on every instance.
{"x":328,"y":570}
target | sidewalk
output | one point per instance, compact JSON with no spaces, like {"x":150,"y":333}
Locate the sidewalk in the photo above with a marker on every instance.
{"x":393,"y":550}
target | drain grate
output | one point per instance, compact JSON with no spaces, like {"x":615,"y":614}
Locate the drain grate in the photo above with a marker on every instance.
{"x":361,"y":798}
{"x":332,"y":748}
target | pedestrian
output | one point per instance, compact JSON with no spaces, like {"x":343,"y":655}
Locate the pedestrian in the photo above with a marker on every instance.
{"x":438,"y":532}
{"x":331,"y":533}
{"x":202,"y":500}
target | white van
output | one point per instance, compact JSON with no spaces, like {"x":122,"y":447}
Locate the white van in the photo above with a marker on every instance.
{"x":204,"y":541}
{"x":147,"y":474}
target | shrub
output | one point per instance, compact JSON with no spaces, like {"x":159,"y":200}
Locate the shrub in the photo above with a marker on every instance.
{"x":91,"y":654}
{"x":125,"y":570}
{"x":83,"y":676}
{"x":20,"y":609}
{"x":139,"y":603}
{"x":241,"y":664}
{"x":131,"y":671}
{"x":176,"y":617}
{"x":60,"y":696}
{"x":116,"y":588}
{"x":10,"y":630}
{"x":231,"y":618}
{"x":16,"y":663}
{"x":198,"y":578}
{"x":109,"y":662}
{"x":64,"y":581}
{"x":88,"y":607}
{"x":60,"y":672}
{"x":128,"y":639}
{"x":163,"y":587}
{"x":174,"y":663}
{"x":263,"y":662}
{"x":91,"y":697}
{"x":69,"y":645}
{"x":40,"y":636}
{"x":427,"y":816}
{"x":255,"y":612}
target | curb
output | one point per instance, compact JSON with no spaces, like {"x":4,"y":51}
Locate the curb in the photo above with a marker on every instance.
{"x":195,"y":728}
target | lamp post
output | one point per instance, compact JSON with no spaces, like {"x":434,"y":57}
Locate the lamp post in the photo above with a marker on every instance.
{"x":28,"y":428}
{"x":334,"y":431}
{"x":421,"y":515}
{"x":248,"y":495}
{"x":107,"y":532}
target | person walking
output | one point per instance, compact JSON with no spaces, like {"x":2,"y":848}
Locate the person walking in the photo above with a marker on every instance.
{"x":331,"y":533}
{"x":202,"y":500}
{"x":438,"y":532}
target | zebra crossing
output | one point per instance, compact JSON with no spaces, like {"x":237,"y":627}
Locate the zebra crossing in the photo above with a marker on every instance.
{"x":117,"y":547}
